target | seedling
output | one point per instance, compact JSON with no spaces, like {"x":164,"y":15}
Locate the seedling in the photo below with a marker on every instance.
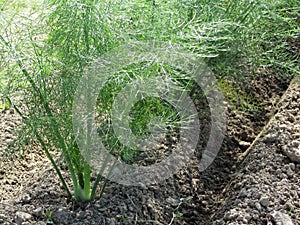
{"x":48,"y":215}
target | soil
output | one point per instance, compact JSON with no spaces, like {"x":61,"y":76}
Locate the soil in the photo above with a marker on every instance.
{"x":260,"y":188}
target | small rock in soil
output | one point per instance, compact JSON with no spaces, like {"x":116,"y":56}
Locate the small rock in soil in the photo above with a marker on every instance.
{"x":111,"y":221}
{"x":244,"y":144}
{"x":60,"y":216}
{"x":292,"y":152}
{"x":38,"y":212}
{"x":265,"y":201}
{"x":281,"y":218}
{"x":258,"y":206}
{"x":40,"y":223}
{"x":22,"y":217}
{"x":271,"y":137}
